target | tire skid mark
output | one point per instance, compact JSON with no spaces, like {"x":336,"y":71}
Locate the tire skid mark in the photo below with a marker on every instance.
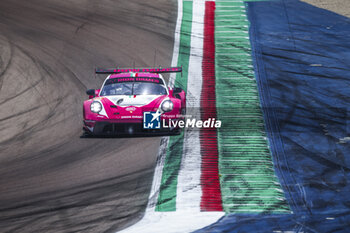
{"x":44,"y":210}
{"x":7,"y":60}
{"x":43,"y":159}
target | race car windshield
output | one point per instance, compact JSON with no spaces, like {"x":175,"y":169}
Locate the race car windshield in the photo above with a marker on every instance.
{"x":133,"y":88}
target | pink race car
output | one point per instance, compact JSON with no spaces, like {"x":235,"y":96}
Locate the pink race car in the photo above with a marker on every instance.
{"x":133,"y":100}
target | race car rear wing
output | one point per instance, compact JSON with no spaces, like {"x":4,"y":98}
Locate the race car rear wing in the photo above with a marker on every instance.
{"x":143,"y":70}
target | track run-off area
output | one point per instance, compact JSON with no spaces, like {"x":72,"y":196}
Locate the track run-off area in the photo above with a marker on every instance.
{"x":203,"y":174}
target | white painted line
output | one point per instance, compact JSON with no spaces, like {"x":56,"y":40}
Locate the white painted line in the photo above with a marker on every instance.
{"x":174,"y":222}
{"x":176,"y":43}
{"x":189,"y":191}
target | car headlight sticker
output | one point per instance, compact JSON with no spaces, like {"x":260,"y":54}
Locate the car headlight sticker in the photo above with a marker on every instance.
{"x":96,"y":107}
{"x":167,"y":106}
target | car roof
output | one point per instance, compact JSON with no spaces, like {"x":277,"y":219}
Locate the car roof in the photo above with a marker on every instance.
{"x":131,"y":74}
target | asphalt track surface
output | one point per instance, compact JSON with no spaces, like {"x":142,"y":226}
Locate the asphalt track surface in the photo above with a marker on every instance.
{"x":52,"y":179}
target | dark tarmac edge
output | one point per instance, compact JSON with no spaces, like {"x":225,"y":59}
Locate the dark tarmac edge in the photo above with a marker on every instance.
{"x":337,"y":6}
{"x":52,"y":179}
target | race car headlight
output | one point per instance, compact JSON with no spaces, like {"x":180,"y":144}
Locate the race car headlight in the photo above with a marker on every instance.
{"x":167,"y":106}
{"x":96,"y":107}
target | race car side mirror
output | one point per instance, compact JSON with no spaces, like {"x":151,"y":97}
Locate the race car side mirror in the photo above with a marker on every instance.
{"x":91,"y":93}
{"x":177,"y":90}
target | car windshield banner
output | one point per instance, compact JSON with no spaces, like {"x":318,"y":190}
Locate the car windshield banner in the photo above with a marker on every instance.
{"x":134,"y":79}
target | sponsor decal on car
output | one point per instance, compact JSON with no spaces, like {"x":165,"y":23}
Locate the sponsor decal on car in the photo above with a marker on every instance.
{"x":130,"y":109}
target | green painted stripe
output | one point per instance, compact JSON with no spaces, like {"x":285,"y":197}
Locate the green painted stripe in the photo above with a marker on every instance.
{"x":167,"y":194}
{"x":247,"y":177}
